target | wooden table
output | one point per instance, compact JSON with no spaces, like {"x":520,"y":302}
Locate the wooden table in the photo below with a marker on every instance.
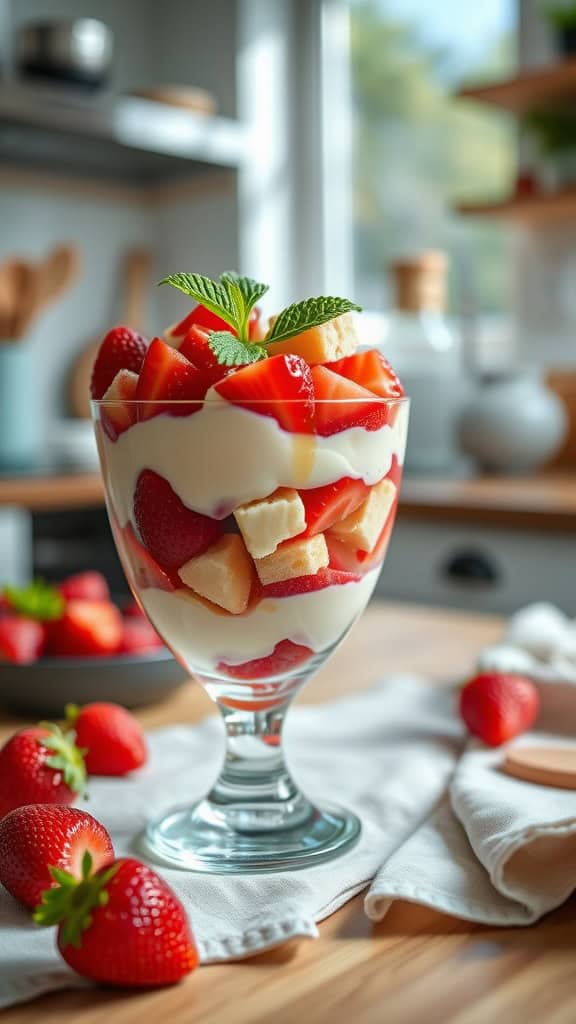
{"x":414,"y":966}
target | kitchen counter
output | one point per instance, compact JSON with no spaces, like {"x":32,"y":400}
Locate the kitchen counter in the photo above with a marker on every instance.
{"x":546,"y":501}
{"x":417,"y":963}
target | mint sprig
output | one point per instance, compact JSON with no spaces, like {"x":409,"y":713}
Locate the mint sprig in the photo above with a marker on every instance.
{"x":233,"y":297}
{"x":303,"y":316}
{"x":36,"y":601}
{"x":231,"y":351}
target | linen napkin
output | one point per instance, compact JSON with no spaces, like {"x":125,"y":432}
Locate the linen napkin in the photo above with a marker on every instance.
{"x":497,"y":850}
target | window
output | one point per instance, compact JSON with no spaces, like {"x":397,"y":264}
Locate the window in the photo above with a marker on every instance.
{"x":417,"y":149}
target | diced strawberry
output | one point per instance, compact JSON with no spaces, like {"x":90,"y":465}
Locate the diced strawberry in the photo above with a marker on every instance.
{"x":171,"y":532}
{"x":86,"y":586}
{"x":118,"y":416}
{"x":196,"y":347}
{"x":139,"y":636}
{"x":280,"y":387}
{"x":21,"y":640}
{"x":372,"y":371}
{"x":87,"y":628}
{"x":307,"y":584}
{"x":285,"y":656}
{"x":140,"y":568}
{"x":121,"y":349}
{"x":327,"y":505}
{"x":341,"y":404}
{"x":168,"y":376}
{"x":202,"y":317}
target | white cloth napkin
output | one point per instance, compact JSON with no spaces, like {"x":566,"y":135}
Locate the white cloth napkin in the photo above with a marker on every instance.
{"x":441,"y":826}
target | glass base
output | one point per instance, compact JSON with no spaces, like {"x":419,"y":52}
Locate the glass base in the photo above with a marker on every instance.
{"x":201,"y":838}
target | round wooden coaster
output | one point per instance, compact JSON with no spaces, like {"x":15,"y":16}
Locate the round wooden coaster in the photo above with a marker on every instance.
{"x":547,"y":766}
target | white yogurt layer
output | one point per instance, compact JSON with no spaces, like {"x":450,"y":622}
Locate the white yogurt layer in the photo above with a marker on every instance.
{"x":224,"y":455}
{"x":203,"y":637}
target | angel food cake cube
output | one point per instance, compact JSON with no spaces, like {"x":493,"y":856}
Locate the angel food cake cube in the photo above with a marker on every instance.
{"x":266,"y":523}
{"x":223,"y":574}
{"x":324,"y":344}
{"x":362,"y":528}
{"x":303,"y":557}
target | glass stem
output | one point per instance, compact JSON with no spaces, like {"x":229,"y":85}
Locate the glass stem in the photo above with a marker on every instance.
{"x":255,"y":791}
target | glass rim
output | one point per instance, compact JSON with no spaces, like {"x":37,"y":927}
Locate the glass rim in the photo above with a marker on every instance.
{"x":97,"y":403}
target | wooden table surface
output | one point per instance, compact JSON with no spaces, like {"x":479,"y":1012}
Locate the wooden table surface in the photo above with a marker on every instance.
{"x":416,"y":965}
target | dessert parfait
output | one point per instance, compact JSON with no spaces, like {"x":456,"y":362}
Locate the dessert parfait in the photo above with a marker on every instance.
{"x":252,"y":480}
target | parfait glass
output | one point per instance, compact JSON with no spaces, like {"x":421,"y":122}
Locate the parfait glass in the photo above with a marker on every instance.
{"x":197,"y":494}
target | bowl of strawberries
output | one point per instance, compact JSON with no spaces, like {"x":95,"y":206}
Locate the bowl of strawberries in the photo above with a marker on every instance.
{"x":70,"y":643}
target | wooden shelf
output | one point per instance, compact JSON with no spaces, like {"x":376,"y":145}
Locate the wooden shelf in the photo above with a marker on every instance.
{"x":45,"y":493}
{"x":531,"y":90}
{"x":541,"y":208}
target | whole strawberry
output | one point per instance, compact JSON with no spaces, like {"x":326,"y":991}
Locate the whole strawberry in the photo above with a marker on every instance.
{"x":37,"y":836}
{"x":122,"y":925}
{"x":497,"y":706}
{"x":40,"y":765}
{"x":111,"y":738}
{"x":121,"y":349}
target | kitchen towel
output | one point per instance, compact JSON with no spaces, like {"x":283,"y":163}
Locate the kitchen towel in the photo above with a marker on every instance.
{"x":441,"y":825}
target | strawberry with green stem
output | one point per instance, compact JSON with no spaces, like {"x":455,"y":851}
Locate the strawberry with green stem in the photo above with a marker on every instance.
{"x":40,"y":765}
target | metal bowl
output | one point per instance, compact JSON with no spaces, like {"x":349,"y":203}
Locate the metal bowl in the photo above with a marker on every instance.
{"x":46,"y":686}
{"x":77,"y":50}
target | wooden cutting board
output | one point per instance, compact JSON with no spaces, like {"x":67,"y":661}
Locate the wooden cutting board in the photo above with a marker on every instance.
{"x":547,"y":766}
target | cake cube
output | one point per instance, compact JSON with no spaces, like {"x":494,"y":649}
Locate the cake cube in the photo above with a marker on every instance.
{"x":222,"y":574}
{"x":304,"y":557}
{"x":362,"y":528}
{"x":265,"y":523}
{"x":333,"y":340}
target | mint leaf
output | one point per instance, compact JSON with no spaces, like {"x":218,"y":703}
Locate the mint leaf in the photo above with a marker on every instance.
{"x":36,"y":601}
{"x":215,"y":295}
{"x":247,"y":291}
{"x":302,"y":316}
{"x":231,"y":351}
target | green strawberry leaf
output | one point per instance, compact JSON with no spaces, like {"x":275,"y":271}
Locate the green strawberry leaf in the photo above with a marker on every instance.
{"x":231,"y":351}
{"x":302,"y":316}
{"x":36,"y":601}
{"x":65,"y":756}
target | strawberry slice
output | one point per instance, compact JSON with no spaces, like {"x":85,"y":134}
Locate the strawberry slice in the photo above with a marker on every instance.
{"x":21,"y":640}
{"x":327,"y":505}
{"x":306,"y":584}
{"x":203,"y":318}
{"x":117,"y":417}
{"x":168,"y":376}
{"x":121,"y":349}
{"x":196,"y":347}
{"x":140,"y":568}
{"x":285,"y":656}
{"x":280,"y":387}
{"x":341,"y":404}
{"x":87,"y":628}
{"x":372,"y":371}
{"x":171,"y":532}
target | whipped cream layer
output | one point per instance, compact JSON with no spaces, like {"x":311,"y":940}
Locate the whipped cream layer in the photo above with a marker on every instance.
{"x":204,"y":637}
{"x":224,"y":456}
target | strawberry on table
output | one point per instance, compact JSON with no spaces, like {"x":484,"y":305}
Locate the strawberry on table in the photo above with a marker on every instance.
{"x":280,"y":387}
{"x":121,"y":349}
{"x":85,"y":586}
{"x":122,"y":925}
{"x":40,"y":765}
{"x":111,"y":737}
{"x":172,"y":533}
{"x":39,"y":836}
{"x":22,"y":641}
{"x":496,"y":706}
{"x":87,"y":628}
{"x":341,"y":404}
{"x":372,"y":371}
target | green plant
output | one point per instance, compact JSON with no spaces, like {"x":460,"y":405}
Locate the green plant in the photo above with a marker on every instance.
{"x":563,"y":16}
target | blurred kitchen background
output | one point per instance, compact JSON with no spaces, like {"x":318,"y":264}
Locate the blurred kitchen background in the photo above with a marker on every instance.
{"x":418,"y":156}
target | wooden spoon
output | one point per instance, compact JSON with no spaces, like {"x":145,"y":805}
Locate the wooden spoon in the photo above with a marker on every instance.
{"x":57,"y":272}
{"x":25,"y":283}
{"x":136,"y":276}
